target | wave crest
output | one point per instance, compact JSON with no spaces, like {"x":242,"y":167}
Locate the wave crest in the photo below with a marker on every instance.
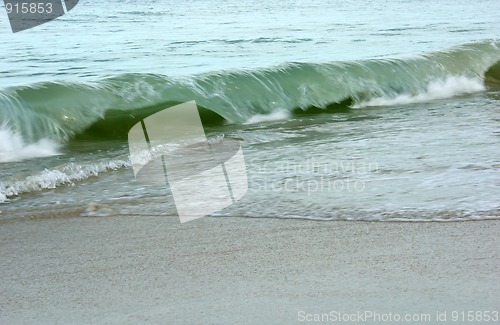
{"x":109,"y":107}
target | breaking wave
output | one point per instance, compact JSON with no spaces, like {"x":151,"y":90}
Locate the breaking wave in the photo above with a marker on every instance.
{"x":13,"y":148}
{"x":49,"y":113}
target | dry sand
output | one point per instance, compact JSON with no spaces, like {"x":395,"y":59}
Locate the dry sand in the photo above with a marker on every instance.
{"x":120,"y":270}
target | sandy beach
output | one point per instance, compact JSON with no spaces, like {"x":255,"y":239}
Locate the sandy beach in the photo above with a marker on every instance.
{"x":128,"y":270}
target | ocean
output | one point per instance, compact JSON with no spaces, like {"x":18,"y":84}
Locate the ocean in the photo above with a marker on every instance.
{"x":344,"y":110}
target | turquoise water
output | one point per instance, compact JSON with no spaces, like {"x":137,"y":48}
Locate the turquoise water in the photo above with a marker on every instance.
{"x":345,"y":110}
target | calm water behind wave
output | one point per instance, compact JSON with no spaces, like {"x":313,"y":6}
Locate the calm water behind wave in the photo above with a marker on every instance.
{"x":167,"y":37}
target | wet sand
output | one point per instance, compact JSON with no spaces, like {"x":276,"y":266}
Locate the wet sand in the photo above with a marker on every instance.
{"x":129,"y":270}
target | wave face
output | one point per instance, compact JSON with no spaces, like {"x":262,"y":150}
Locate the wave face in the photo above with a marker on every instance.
{"x":59,"y":111}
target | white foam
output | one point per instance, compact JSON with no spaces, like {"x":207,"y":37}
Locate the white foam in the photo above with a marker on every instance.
{"x":13,"y":147}
{"x":275,"y":116}
{"x":48,"y":179}
{"x":438,"y":89}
